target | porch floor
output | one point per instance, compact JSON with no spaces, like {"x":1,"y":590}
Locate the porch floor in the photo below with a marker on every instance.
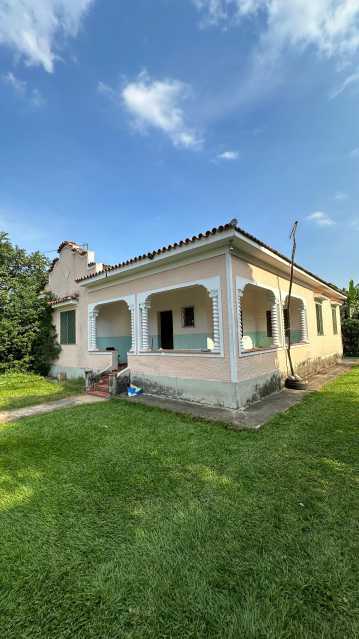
{"x":253,"y":417}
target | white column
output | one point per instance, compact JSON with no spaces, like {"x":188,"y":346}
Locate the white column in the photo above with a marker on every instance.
{"x":214,"y":294}
{"x":282,"y":324}
{"x":92,"y":318}
{"x":240,"y":292}
{"x":275,"y":323}
{"x":303,"y":323}
{"x":145,"y":331}
{"x":131,"y":308}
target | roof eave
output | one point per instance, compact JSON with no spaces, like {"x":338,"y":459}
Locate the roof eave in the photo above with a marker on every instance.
{"x":226,"y":238}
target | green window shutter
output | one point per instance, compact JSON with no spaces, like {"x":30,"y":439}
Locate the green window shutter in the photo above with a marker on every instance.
{"x":319,"y":313}
{"x":63,"y":328}
{"x":71,"y":327}
{"x":68,"y":327}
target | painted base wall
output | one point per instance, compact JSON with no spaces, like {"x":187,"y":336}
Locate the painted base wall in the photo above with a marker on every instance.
{"x":71,"y":372}
{"x":261,"y":340}
{"x":121,"y":344}
{"x":225,"y":394}
{"x":190,"y":341}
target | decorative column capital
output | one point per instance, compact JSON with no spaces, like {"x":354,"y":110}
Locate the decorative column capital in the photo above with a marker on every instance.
{"x":213,"y":293}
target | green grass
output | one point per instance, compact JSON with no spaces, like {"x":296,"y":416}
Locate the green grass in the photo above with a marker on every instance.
{"x":119,"y":521}
{"x":26,"y":389}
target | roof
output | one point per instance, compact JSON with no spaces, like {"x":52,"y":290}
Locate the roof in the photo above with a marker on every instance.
{"x":233,"y":225}
{"x":62,"y":300}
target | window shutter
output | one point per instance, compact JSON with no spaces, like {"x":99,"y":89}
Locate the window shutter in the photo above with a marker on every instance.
{"x":63,"y":328}
{"x":319,"y":313}
{"x":71,"y":327}
{"x":68,"y":327}
{"x":269,"y":323}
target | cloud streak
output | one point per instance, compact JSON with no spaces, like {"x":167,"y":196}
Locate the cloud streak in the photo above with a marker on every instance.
{"x":348,"y":82}
{"x":331,"y":26}
{"x":159,"y":104}
{"x":32,"y":96}
{"x":228,"y":156}
{"x":33,"y":28}
{"x":320,"y":218}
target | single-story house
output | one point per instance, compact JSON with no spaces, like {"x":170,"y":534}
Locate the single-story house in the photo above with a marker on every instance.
{"x":204,"y":319}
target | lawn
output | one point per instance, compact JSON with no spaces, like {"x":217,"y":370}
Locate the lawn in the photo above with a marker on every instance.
{"x":25,"y":389}
{"x":120,"y":521}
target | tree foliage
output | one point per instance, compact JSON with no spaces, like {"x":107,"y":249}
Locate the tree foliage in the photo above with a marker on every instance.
{"x":350,"y":332}
{"x":351,"y":306}
{"x":27,"y":336}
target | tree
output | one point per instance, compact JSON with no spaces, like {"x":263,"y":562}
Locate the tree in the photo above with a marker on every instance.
{"x":27,"y":337}
{"x":352,"y":299}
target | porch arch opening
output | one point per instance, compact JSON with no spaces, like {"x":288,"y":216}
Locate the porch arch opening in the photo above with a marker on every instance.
{"x":113,"y":329}
{"x":259,"y":325}
{"x":180,"y":320}
{"x":295,"y":320}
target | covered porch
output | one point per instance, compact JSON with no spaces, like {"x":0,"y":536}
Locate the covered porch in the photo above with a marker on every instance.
{"x":111,"y":328}
{"x":185,"y":319}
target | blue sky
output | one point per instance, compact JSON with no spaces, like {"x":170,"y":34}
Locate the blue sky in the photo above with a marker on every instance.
{"x":129,"y":125}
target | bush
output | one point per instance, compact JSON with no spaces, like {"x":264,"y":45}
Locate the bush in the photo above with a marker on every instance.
{"x":27,"y":336}
{"x":350,"y":331}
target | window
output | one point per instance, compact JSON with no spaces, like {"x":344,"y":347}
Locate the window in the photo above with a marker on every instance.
{"x":68,"y":327}
{"x":269,"y":323}
{"x":335,"y":321}
{"x":319,"y":314}
{"x":188,"y":317}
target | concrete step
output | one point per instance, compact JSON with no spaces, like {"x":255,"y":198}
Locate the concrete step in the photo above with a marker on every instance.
{"x":99,"y":393}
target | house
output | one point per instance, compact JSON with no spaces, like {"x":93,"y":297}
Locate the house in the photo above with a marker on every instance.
{"x":204,"y":319}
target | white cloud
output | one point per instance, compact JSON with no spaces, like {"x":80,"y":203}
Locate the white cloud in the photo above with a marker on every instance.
{"x":158,"y":104}
{"x":19,"y":86}
{"x":340,"y":196}
{"x":32,"y":96}
{"x":354,"y":153}
{"x":320,"y":218}
{"x":228,"y":155}
{"x":348,"y":82}
{"x":332,"y":26}
{"x":32,"y":28}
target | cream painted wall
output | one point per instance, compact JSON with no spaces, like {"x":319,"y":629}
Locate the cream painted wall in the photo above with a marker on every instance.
{"x":69,"y":266}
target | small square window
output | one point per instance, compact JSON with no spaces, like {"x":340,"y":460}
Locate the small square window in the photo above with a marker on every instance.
{"x":188,"y":317}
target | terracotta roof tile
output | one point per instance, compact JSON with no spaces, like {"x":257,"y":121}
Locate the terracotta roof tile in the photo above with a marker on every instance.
{"x":195,"y":238}
{"x":67,"y":298}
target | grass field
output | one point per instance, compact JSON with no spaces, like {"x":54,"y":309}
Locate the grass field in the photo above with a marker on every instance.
{"x":121,"y":521}
{"x":25,"y":389}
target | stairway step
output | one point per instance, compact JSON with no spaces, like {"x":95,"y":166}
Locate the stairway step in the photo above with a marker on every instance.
{"x":98,"y":393}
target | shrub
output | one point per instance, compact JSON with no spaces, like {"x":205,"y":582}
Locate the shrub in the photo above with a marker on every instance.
{"x":350,"y":331}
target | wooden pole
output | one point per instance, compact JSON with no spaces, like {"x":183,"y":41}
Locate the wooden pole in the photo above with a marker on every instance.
{"x":294,"y":248}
